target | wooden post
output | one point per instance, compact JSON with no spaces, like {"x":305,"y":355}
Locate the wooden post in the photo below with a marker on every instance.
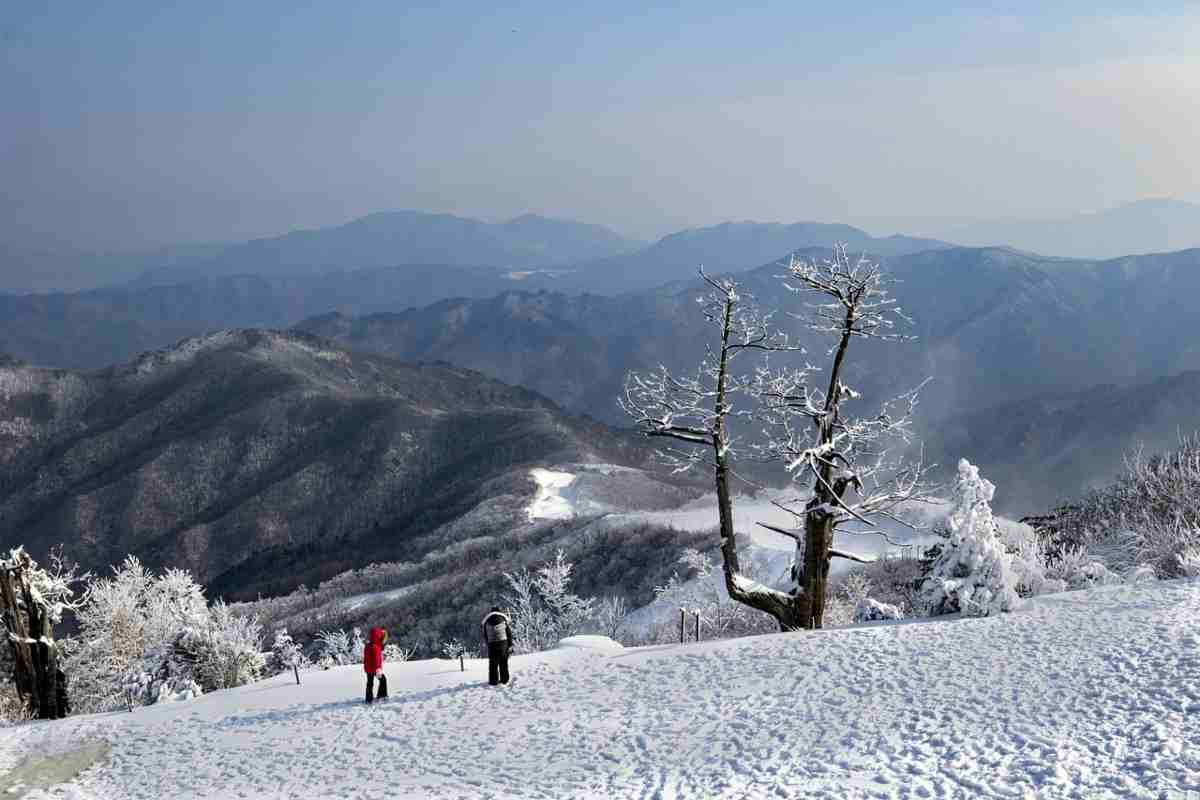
{"x":682,"y":623}
{"x":697,"y":613}
{"x":462,"y":663}
{"x":296,"y":669}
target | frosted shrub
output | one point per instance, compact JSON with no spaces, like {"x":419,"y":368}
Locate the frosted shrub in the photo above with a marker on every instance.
{"x":226,"y":652}
{"x":1142,"y":573}
{"x":335,"y":649}
{"x":453,"y":649}
{"x":856,"y":588}
{"x":973,"y":573}
{"x":874,"y":611}
{"x":395,"y":654}
{"x":1075,"y":568}
{"x":1189,"y":562}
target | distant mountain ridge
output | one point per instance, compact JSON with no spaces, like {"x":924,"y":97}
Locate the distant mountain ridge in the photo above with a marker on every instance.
{"x":392,"y":238}
{"x":1147,"y":226}
{"x":728,"y":247}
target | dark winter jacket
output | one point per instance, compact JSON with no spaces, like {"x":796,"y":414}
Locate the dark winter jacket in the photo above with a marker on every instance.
{"x":496,"y":629}
{"x":373,"y":652}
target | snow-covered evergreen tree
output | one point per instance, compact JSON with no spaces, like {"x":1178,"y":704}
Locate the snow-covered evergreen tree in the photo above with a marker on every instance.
{"x":973,"y":573}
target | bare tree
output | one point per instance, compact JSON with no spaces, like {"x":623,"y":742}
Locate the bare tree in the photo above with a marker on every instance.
{"x":694,"y":412}
{"x":818,"y":441}
{"x":806,"y":426}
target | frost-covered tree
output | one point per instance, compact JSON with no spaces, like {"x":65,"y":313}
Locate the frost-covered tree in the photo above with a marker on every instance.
{"x":287,"y":654}
{"x":455,"y":651}
{"x":610,"y":613}
{"x":807,"y":428}
{"x":973,"y":573}
{"x":33,"y":600}
{"x":542,"y":607}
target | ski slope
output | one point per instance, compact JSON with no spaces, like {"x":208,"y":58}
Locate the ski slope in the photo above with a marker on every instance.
{"x":1079,"y":695}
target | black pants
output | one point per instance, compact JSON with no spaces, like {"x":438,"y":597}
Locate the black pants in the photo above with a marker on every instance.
{"x":371,"y":687}
{"x":497,"y":662}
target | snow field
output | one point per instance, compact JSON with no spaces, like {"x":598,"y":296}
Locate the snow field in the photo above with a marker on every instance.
{"x":1090,"y":694}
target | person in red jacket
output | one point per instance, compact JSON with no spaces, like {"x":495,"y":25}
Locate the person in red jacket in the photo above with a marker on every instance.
{"x":373,"y":664}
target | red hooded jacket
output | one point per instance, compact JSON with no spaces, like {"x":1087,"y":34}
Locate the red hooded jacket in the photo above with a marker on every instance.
{"x":373,"y":652}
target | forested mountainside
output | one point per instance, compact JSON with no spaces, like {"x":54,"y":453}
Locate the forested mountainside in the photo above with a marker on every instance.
{"x":1049,"y":449}
{"x":261,"y":460}
{"x":94,"y":329}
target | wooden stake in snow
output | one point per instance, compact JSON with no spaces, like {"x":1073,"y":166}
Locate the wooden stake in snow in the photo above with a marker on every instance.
{"x":682,"y":623}
{"x":697,"y":613}
{"x":296,"y":669}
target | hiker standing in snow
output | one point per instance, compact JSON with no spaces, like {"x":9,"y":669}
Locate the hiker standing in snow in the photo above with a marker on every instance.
{"x":373,"y":664}
{"x":498,"y":636}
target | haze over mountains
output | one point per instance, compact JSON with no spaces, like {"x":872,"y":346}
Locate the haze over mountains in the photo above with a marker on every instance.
{"x":1147,"y":226}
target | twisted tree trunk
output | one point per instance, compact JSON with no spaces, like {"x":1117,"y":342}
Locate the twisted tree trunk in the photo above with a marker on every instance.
{"x":27,"y":626}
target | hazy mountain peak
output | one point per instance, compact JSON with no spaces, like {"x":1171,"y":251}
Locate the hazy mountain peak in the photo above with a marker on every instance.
{"x":1151,"y":225}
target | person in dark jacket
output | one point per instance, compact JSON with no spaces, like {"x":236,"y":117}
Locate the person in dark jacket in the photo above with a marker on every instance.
{"x":373,"y":664}
{"x":497,"y":635}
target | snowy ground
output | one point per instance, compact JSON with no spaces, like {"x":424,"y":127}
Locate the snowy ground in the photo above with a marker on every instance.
{"x":1080,"y":695}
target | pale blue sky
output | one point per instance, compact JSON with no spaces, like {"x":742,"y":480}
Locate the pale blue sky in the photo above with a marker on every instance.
{"x":126,"y":124}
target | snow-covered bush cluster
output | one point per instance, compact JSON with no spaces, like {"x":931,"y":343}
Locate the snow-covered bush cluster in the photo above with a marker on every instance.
{"x":1147,"y":518}
{"x":145,"y":638}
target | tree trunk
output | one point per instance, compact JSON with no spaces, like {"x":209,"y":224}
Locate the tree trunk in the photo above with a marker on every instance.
{"x":35,"y":661}
{"x":818,"y":539}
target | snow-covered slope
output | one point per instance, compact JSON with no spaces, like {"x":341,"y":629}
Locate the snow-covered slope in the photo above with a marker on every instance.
{"x":1080,"y":695}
